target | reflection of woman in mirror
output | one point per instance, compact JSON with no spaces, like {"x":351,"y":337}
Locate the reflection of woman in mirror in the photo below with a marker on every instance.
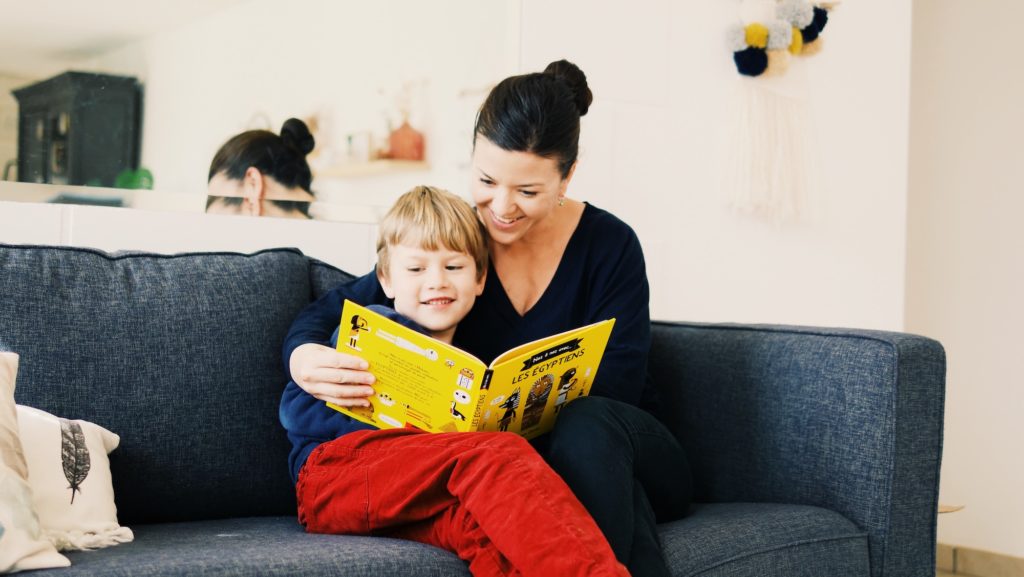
{"x":260,"y":173}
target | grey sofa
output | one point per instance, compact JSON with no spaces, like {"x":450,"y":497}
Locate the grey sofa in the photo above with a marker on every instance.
{"x":816,"y":451}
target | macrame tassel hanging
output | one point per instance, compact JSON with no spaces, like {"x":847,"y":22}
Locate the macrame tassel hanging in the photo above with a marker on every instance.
{"x":768,"y":167}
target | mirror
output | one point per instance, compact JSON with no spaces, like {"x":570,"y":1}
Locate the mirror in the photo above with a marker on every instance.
{"x":354,"y":71}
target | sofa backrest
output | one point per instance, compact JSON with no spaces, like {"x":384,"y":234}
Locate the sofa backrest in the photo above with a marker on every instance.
{"x":180,"y":355}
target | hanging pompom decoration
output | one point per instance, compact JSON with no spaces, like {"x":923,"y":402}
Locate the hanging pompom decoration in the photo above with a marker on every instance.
{"x":813,"y":48}
{"x":751,"y":61}
{"x":812,"y":30}
{"x":796,"y":45}
{"x":756,"y":35}
{"x":799,"y":13}
{"x":820,"y":18}
{"x":778,"y":62}
{"x":794,"y":27}
{"x":769,"y":167}
{"x":780,"y":35}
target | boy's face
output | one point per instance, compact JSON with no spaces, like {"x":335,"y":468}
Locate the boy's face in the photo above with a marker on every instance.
{"x":435,"y":288}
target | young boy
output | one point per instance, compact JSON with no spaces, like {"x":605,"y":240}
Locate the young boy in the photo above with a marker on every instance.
{"x":488,"y":497}
{"x":431,"y":261}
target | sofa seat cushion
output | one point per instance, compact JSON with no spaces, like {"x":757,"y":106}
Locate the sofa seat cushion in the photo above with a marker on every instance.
{"x":256,"y":546}
{"x":718,"y":540}
{"x":763,"y":539}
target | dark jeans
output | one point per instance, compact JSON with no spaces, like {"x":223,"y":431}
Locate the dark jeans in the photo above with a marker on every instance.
{"x":627,"y":469}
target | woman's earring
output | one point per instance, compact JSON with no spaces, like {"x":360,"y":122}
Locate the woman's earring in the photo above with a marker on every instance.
{"x":561,"y":201}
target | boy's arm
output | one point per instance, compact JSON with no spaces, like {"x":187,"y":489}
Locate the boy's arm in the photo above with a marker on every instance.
{"x":316,"y":323}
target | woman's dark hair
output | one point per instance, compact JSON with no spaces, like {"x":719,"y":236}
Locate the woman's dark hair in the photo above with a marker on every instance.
{"x":282,"y":158}
{"x":235,"y":202}
{"x":538,"y":113}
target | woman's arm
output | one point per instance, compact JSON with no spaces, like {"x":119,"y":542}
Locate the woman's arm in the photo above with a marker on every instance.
{"x":618,"y":289}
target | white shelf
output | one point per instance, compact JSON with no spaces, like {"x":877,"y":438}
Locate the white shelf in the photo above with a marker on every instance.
{"x":372,"y":168}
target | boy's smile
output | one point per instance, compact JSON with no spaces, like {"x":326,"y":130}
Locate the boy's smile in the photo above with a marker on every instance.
{"x":435,"y":288}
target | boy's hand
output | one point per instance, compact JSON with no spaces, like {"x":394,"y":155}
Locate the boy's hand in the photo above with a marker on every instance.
{"x":331,"y":376}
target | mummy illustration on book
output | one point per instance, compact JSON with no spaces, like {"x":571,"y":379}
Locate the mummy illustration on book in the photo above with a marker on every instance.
{"x":565,"y":384}
{"x":431,"y":385}
{"x":358,"y":325}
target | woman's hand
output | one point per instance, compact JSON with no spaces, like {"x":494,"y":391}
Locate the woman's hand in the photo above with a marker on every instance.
{"x":331,"y":376}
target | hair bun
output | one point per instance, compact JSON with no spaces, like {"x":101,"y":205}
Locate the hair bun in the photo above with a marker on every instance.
{"x":574,"y":78}
{"x":295,"y":133}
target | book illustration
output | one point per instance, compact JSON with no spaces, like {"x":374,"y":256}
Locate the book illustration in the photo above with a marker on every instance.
{"x":358,"y":325}
{"x":461,"y":398}
{"x":510,"y":405}
{"x":565,"y":384}
{"x":430,"y":385}
{"x":365,"y":412}
{"x":465,"y":379}
{"x":407,"y":344}
{"x":537,"y":400}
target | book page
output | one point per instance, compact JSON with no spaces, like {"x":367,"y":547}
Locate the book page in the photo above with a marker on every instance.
{"x":530,"y":384}
{"x":421,"y":381}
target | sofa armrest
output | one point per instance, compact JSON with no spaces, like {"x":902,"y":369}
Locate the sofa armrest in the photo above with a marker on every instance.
{"x":848,"y":420}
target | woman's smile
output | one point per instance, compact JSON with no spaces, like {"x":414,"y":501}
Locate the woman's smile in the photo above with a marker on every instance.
{"x":504,"y":223}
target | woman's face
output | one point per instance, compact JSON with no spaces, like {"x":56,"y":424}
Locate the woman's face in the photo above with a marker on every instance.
{"x":515,"y":193}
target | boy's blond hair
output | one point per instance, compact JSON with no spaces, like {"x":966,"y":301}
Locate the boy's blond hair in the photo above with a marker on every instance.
{"x":432,"y":218}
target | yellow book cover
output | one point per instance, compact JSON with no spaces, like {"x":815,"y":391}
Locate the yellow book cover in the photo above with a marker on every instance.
{"x":430,"y":385}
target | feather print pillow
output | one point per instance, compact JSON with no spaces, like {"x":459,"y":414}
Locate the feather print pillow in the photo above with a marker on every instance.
{"x":69,"y":472}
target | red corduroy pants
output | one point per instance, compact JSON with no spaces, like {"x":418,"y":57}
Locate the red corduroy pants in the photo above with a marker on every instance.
{"x":488,"y":497}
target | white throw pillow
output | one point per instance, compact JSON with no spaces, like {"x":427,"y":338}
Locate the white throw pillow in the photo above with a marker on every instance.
{"x":69,"y":472}
{"x":22,"y":544}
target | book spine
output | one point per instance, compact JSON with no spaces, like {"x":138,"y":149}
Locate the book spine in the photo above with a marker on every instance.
{"x":481,"y":401}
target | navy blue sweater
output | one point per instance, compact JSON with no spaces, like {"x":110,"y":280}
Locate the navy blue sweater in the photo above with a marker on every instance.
{"x":601,"y":276}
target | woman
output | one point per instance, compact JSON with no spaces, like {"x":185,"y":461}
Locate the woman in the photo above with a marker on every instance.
{"x":556,"y":264}
{"x":262,"y":174}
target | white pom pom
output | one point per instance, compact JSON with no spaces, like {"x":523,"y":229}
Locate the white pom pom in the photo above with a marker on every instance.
{"x":799,"y":13}
{"x":736,"y":38}
{"x":780,"y":35}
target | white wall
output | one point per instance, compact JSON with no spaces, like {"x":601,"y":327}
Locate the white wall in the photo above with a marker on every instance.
{"x":254,"y":64}
{"x":965,"y":273}
{"x":662,"y":80}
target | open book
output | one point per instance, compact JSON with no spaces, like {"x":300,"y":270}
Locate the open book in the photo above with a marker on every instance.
{"x":425,"y":383}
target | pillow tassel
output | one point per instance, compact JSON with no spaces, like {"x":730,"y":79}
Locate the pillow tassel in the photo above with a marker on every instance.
{"x":76,"y":540}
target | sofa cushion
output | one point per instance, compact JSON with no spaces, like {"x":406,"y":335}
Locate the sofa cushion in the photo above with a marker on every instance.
{"x":717,"y":540}
{"x":324,"y":277}
{"x":259,"y":546}
{"x":180,"y":355}
{"x":724,"y":539}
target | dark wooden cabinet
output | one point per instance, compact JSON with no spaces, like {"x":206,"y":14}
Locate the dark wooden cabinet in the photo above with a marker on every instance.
{"x":78,"y":128}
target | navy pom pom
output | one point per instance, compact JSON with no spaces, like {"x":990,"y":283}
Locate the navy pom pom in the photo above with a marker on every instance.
{"x":810,"y":33}
{"x":820,"y":19}
{"x":751,"y":61}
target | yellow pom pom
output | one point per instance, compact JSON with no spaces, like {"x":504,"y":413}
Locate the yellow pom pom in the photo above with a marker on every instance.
{"x":756,"y":35}
{"x":798,"y":41}
{"x":812,"y":48}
